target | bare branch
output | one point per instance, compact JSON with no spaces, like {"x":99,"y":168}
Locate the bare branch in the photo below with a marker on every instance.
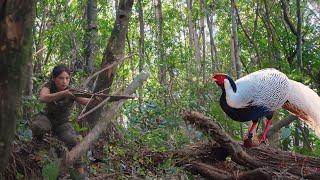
{"x":101,"y":125}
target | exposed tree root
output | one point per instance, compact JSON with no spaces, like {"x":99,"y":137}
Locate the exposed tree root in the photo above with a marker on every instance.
{"x":263,"y":162}
{"x":219,"y":158}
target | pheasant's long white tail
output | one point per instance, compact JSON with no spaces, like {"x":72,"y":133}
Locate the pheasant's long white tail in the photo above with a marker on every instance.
{"x":305,"y":104}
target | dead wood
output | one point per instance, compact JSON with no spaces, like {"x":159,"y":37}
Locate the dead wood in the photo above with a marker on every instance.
{"x":218,"y":134}
{"x":101,"y":125}
{"x":112,"y":97}
{"x":207,"y":152}
{"x":208,"y":171}
{"x":263,"y":161}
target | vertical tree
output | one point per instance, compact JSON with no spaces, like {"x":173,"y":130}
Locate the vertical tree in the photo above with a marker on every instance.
{"x":213,"y":48}
{"x":299,"y":36}
{"x":160,"y":49}
{"x":114,"y":51}
{"x":203,"y":35}
{"x":16,"y":21}
{"x":141,"y":44}
{"x":274,"y":53}
{"x":235,"y":54}
{"x":193,"y":36}
{"x":91,"y":36}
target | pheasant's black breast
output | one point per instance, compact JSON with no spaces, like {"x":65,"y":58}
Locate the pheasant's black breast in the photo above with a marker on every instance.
{"x":249,"y":113}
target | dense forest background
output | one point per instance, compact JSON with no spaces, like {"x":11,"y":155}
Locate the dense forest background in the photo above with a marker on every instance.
{"x":181,"y":44}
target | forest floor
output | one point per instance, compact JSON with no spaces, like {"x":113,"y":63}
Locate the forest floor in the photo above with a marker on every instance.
{"x":218,"y":158}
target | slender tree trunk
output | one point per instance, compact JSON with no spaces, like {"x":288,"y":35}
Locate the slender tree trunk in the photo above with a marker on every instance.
{"x":213,"y":48}
{"x":114,"y":51}
{"x":16,"y":21}
{"x":203,"y":35}
{"x":39,"y":39}
{"x":141,"y":46}
{"x":234,"y":41}
{"x":162,"y":73}
{"x":116,"y":4}
{"x":299,"y":36}
{"x":251,"y":39}
{"x":274,"y":52}
{"x":235,"y":55}
{"x":190,"y":26}
{"x":91,"y":36}
{"x":193,"y":37}
{"x":75,"y":64}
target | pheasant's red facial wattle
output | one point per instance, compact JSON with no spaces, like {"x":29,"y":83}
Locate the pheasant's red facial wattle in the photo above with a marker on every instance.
{"x":219,"y":78}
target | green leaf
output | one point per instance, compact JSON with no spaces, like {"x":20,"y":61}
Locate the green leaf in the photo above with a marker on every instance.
{"x":285,"y":133}
{"x":50,"y":171}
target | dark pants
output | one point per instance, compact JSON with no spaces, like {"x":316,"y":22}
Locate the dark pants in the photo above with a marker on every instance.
{"x":64,"y":131}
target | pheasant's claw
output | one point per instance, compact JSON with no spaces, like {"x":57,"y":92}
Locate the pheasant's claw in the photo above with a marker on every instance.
{"x":264,"y":141}
{"x":248,"y":142}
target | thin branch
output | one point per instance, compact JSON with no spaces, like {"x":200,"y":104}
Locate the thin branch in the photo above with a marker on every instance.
{"x":113,"y":97}
{"x":101,"y":125}
{"x":278,"y":125}
{"x":93,"y":109}
{"x":286,"y":17}
{"x":115,"y":63}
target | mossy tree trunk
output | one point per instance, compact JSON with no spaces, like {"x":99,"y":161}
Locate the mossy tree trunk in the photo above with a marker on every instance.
{"x":16,"y":20}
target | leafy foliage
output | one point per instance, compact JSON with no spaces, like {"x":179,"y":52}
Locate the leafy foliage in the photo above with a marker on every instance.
{"x":155,"y":122}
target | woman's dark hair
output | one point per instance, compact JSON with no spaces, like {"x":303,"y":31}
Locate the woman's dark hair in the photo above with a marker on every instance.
{"x":55,"y":72}
{"x":58,"y":70}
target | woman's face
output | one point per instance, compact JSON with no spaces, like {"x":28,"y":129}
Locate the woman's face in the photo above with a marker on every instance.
{"x":62,"y":81}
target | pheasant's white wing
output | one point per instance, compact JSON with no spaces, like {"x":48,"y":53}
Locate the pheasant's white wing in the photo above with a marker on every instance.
{"x":265,"y":88}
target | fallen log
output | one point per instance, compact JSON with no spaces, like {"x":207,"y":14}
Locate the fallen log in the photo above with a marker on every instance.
{"x":218,"y":134}
{"x":101,"y":125}
{"x":262,"y":161}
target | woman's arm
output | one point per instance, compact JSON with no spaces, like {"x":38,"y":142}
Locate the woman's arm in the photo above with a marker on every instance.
{"x":46,"y":96}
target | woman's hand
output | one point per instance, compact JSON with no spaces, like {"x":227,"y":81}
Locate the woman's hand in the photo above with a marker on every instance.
{"x":68,"y":93}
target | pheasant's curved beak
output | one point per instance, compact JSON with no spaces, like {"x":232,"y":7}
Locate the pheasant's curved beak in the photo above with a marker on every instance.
{"x":214,"y":79}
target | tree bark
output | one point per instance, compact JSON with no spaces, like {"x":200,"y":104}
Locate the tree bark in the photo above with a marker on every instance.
{"x":193,"y":38}
{"x":114,"y":51}
{"x":282,"y":123}
{"x":235,"y":52}
{"x":16,"y":21}
{"x":203,"y":35}
{"x":141,"y":46}
{"x":299,"y":35}
{"x":273,"y":51}
{"x":101,"y":125}
{"x":210,"y":159}
{"x":162,"y":62}
{"x":91,"y":36}
{"x":262,"y":161}
{"x":251,"y":39}
{"x":213,"y":48}
{"x":286,"y":16}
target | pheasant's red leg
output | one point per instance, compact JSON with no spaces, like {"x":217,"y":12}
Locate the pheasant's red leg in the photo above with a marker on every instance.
{"x":248,"y":141}
{"x":253,"y":127}
{"x":265,"y":132}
